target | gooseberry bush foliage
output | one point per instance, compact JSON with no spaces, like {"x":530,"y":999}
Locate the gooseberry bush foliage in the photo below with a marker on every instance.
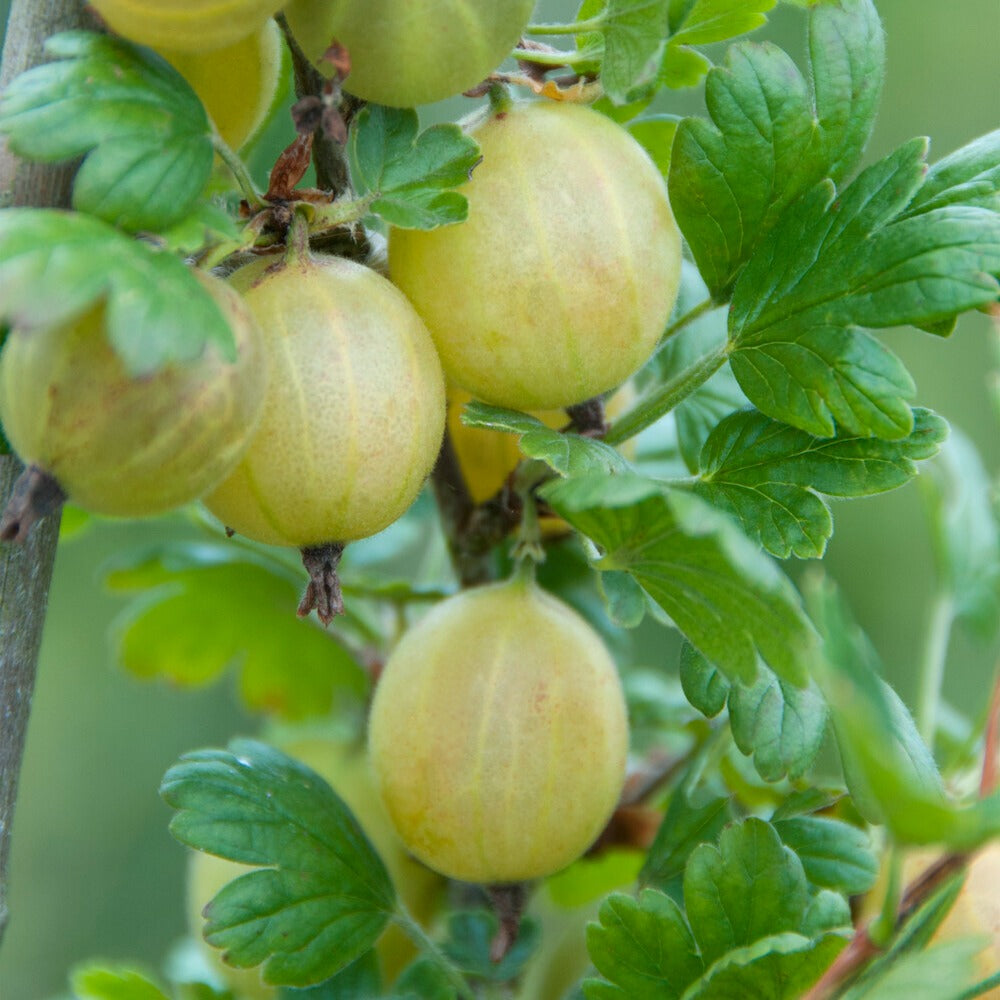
{"x":738,"y":860}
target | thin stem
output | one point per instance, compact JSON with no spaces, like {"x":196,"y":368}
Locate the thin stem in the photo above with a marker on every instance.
{"x":665,"y":397}
{"x":884,"y":925}
{"x":688,"y":318}
{"x":932,"y":664}
{"x":553,"y":59}
{"x":981,"y":988}
{"x":343,"y":212}
{"x":240,"y":172}
{"x":420,"y":938}
{"x":576,"y":28}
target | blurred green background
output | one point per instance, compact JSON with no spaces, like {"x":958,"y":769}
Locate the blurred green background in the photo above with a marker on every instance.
{"x":94,"y":871}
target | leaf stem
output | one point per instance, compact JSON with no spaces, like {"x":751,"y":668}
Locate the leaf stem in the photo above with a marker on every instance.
{"x":342,"y":212}
{"x":688,"y":318}
{"x":240,"y":172}
{"x":935,"y":654}
{"x":420,"y":938}
{"x":663,"y":398}
{"x":574,"y":28}
{"x":981,"y":988}
{"x":883,"y":927}
{"x":552,"y":59}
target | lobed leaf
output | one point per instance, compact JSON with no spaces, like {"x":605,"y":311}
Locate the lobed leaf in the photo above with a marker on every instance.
{"x":772,"y":137}
{"x":409,"y":175}
{"x":834,"y":854}
{"x":321,"y":896}
{"x":99,"y":982}
{"x":470,"y":936}
{"x":55,"y":265}
{"x":969,"y":176}
{"x":361,"y":980}
{"x":200,"y":609}
{"x":770,"y":476}
{"x":146,"y":138}
{"x":835,"y":263}
{"x":721,"y":592}
{"x":567,"y":454}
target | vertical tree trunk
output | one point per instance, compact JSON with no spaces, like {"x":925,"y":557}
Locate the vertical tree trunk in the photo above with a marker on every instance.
{"x":25,"y":570}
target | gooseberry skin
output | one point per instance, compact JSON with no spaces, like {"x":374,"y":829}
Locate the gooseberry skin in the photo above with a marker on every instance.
{"x":498,"y":735}
{"x":238,"y":84}
{"x":186,"y":25}
{"x":123,"y":446}
{"x":354,"y":414}
{"x":410,"y":52}
{"x":559,"y":284}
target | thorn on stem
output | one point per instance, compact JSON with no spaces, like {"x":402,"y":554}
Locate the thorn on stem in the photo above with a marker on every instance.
{"x":36,"y":494}
{"x":323,"y":592}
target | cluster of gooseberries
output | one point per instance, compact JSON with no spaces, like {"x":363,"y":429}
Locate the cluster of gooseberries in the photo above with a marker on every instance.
{"x":324,"y":429}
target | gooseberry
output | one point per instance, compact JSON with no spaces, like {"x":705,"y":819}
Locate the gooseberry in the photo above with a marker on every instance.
{"x":498,"y":735}
{"x":559,"y":284}
{"x":409,"y":52}
{"x":127,"y":446}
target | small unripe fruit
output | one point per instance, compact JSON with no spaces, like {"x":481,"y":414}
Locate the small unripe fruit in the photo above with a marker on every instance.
{"x":185,"y":25}
{"x":559,"y":284}
{"x":409,"y":52}
{"x":354,"y":413}
{"x":237,"y":84}
{"x":125,"y":446}
{"x":498,"y":735}
{"x":344,"y":766}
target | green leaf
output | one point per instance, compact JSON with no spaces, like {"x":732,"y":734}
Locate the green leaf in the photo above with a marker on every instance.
{"x":772,"y":137}
{"x":625,"y":599}
{"x":201,"y":608}
{"x":634,"y":35}
{"x":322,"y":896}
{"x":707,"y":21}
{"x":424,"y":979}
{"x":98,"y":982}
{"x":969,"y":176}
{"x":889,"y":769}
{"x":55,"y":265}
{"x":703,"y":685}
{"x":723,"y":594}
{"x":407,"y":176}
{"x":834,"y":854}
{"x":470,"y":935}
{"x":966,"y":534}
{"x":567,"y":454}
{"x":780,"y":967}
{"x":687,"y":824}
{"x":145,"y":134}
{"x":769,"y":476}
{"x":777,"y":724}
{"x":643,"y":947}
{"x":206,"y":225}
{"x":838,"y":262}
{"x":361,"y":980}
{"x":591,"y":878}
{"x":655,"y":133}
{"x":749,"y":887}
{"x":943,"y":972}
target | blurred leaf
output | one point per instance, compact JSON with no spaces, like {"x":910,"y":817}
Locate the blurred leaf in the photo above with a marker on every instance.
{"x":780,"y":967}
{"x":836,"y":262}
{"x":827,"y":911}
{"x":749,"y":887}
{"x":772,"y":137}
{"x":99,"y":982}
{"x":644,"y":947}
{"x":769,"y":476}
{"x":969,"y":176}
{"x":966,"y":534}
{"x":591,"y":878}
{"x":704,"y":686}
{"x":890,"y":772}
{"x":779,"y":725}
{"x":74,"y":522}
{"x":728,"y":599}
{"x":206,"y":225}
{"x":361,"y":980}
{"x":55,"y":265}
{"x":202,"y":608}
{"x":625,"y":599}
{"x":944,"y":972}
{"x":424,"y":979}
{"x":834,"y":854}
{"x":322,"y":896}
{"x":409,"y":176}
{"x":470,"y":934}
{"x":655,"y":133}
{"x":146,"y":135}
{"x":567,"y":454}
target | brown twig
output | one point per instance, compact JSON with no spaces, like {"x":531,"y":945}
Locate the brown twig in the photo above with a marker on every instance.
{"x":991,"y":742}
{"x":508,"y":902}
{"x":323,"y":592}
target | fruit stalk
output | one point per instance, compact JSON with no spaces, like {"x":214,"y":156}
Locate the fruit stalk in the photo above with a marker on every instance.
{"x":26,"y":570}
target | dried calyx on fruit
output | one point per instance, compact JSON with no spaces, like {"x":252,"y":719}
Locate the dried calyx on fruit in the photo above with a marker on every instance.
{"x":353,"y":417}
{"x":120,"y":445}
{"x":559,"y":284}
{"x":498,"y":735}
